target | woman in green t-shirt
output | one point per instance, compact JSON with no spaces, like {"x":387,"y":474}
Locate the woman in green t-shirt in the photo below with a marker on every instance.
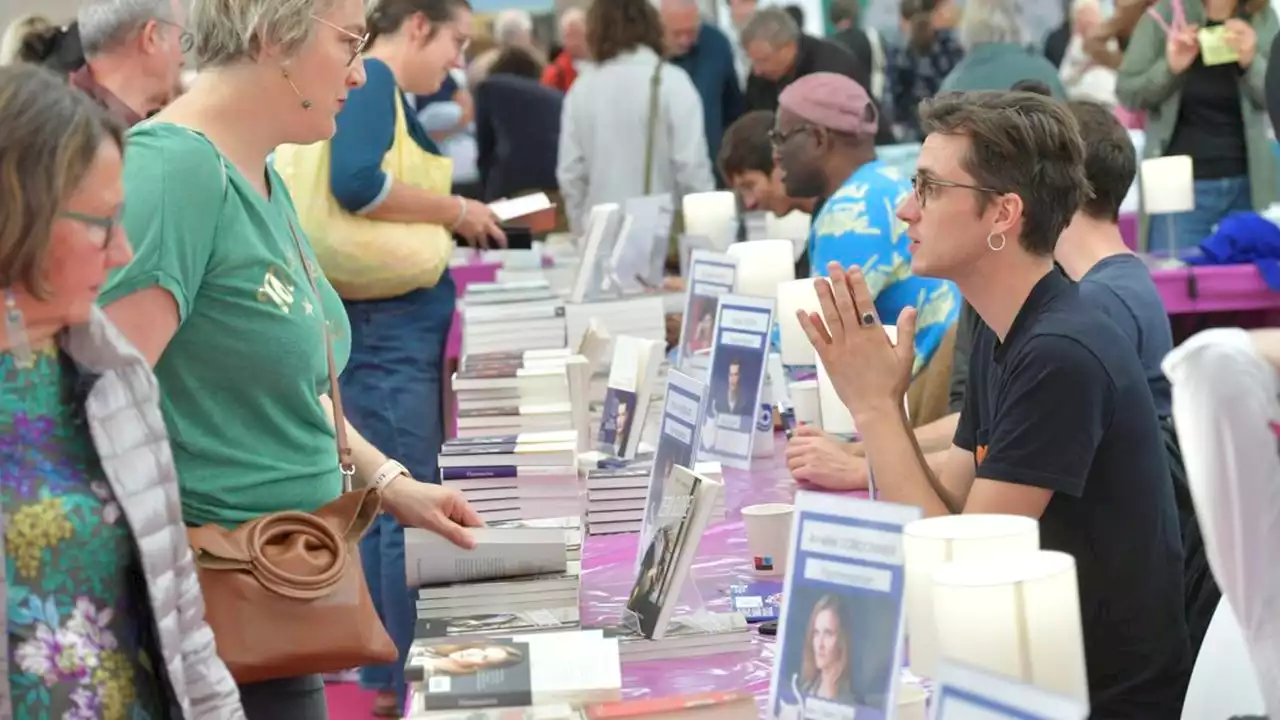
{"x":220,"y":296}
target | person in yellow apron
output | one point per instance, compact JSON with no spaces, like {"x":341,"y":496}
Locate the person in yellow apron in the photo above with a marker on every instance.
{"x":375,"y":201}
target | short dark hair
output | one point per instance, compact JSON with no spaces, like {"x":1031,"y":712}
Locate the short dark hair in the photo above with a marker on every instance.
{"x":618,"y":26}
{"x":1005,"y":130}
{"x":515,"y":60}
{"x":745,"y":146}
{"x":387,"y":16}
{"x":1110,"y":162}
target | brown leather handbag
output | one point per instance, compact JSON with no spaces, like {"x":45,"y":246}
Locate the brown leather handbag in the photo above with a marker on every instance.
{"x":285,"y":593}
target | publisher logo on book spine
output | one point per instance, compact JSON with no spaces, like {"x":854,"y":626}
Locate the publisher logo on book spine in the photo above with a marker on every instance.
{"x":762,"y":564}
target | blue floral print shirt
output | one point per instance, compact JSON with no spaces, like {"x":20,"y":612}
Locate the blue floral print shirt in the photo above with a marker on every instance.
{"x":858,"y":225}
{"x":79,"y":622}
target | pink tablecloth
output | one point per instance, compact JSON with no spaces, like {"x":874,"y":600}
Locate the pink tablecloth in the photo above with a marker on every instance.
{"x":1217,"y":288}
{"x":723,"y":560}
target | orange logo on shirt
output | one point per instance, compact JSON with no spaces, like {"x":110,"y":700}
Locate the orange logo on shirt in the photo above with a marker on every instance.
{"x":980,"y":454}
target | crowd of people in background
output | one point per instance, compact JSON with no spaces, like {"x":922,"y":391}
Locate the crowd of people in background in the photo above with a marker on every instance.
{"x":226,"y":307}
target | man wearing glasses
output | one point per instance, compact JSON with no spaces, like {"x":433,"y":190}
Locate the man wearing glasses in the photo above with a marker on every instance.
{"x":824,"y":145}
{"x":1058,"y":421}
{"x":133,"y":53}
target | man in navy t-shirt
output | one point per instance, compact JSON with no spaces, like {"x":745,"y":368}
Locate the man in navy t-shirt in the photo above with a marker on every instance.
{"x":1058,"y":421}
{"x":1092,"y":252}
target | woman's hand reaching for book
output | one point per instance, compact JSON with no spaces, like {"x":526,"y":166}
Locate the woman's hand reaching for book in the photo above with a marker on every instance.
{"x":478,"y":225}
{"x":442,"y":510}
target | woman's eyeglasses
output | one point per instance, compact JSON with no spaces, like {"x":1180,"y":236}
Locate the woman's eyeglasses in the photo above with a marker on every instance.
{"x":98,"y":222}
{"x":359,"y":42}
{"x":920,"y":186}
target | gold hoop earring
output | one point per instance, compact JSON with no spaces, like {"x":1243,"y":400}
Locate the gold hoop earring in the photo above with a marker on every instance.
{"x":992,"y":246}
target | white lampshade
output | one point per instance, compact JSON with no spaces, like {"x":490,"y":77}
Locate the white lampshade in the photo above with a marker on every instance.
{"x":836,"y":417}
{"x":711,"y":215}
{"x":763,"y":265}
{"x":1168,"y":185}
{"x":794,"y":296}
{"x":932,"y":542}
{"x":793,"y":226}
{"x":1016,"y":615}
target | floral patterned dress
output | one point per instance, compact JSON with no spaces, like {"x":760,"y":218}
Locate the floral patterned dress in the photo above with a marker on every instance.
{"x":79,"y":622}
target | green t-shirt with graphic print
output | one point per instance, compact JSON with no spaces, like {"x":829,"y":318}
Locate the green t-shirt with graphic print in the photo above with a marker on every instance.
{"x":242,"y":376}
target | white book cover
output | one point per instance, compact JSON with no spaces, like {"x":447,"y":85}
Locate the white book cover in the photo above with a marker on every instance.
{"x":652,"y":217}
{"x":736,"y":377}
{"x":962,"y":692}
{"x":626,"y":401}
{"x":430,"y":559}
{"x":681,"y":420}
{"x":520,"y":207}
{"x":839,"y":648}
{"x":710,"y":276}
{"x":603,"y":225}
{"x":687,"y":244}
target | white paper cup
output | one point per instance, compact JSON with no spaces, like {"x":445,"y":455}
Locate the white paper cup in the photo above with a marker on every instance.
{"x":804,"y":398}
{"x":768,"y":536}
{"x":912,"y":702}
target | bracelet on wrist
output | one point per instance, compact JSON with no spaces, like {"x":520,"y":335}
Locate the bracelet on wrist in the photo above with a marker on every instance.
{"x":462,"y":213}
{"x":387,"y":474}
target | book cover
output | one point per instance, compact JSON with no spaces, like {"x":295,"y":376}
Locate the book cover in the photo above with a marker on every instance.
{"x":616,"y":420}
{"x":678,"y":705}
{"x":757,"y":601}
{"x":840,"y":631}
{"x":682,"y":411}
{"x":504,"y":624}
{"x":710,"y":276}
{"x":494,"y":673}
{"x":962,"y":692}
{"x":735,"y":379}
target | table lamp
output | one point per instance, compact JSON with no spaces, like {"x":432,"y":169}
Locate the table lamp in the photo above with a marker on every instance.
{"x":1167,"y":185}
{"x":1016,"y":615}
{"x":836,"y":417}
{"x":793,"y":226}
{"x":793,"y":296}
{"x":712,"y":215}
{"x":763,"y":265}
{"x":930,"y":543}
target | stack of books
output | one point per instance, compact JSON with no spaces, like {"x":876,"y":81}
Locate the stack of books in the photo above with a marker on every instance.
{"x":517,"y":671}
{"x":515,"y":477}
{"x":616,"y":497}
{"x":527,"y":392}
{"x":520,"y":576}
{"x":512,"y":317}
{"x":695,"y":635}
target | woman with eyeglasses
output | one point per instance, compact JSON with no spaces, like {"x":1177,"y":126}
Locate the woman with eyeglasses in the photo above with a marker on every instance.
{"x":225,"y":297}
{"x":102,"y":607}
{"x":391,"y":186}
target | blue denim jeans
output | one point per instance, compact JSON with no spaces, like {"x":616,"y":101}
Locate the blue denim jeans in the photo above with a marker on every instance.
{"x":392,"y":389}
{"x":1215,"y":199}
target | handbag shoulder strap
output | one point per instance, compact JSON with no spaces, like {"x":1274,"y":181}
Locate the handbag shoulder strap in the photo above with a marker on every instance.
{"x":655,"y":84}
{"x":335,"y":394}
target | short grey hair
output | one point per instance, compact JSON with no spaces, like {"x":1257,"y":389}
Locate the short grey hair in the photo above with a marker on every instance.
{"x":985,"y":22}
{"x":773,"y":25}
{"x":512,"y":26}
{"x":228,"y":31}
{"x":105,"y":23}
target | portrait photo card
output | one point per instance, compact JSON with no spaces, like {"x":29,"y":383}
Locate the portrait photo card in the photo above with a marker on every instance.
{"x":683,"y":407}
{"x":840,"y":633}
{"x":963,"y":692}
{"x":735,"y":378}
{"x":710,"y":276}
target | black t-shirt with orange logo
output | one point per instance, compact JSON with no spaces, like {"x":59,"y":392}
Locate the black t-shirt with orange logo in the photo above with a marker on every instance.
{"x":1064,"y":404}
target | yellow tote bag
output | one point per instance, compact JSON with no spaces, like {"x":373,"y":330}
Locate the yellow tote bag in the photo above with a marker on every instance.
{"x":368,"y":259}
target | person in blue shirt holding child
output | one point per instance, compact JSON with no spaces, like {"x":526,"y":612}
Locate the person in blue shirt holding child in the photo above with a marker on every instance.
{"x":824,"y":142}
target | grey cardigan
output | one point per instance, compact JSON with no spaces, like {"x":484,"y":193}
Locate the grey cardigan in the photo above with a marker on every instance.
{"x":123,"y":410}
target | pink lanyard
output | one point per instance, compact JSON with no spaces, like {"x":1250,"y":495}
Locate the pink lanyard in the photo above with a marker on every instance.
{"x":1177,"y":22}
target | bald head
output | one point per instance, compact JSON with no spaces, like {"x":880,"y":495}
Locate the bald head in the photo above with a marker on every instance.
{"x":573,"y":32}
{"x":681,"y":22}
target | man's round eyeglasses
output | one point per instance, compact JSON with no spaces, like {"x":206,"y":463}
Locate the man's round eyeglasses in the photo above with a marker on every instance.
{"x":920,"y":187}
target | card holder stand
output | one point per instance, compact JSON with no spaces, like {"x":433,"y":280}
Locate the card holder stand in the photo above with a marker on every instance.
{"x":690,"y":608}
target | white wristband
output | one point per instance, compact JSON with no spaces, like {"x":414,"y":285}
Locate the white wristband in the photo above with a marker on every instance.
{"x":389,"y":471}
